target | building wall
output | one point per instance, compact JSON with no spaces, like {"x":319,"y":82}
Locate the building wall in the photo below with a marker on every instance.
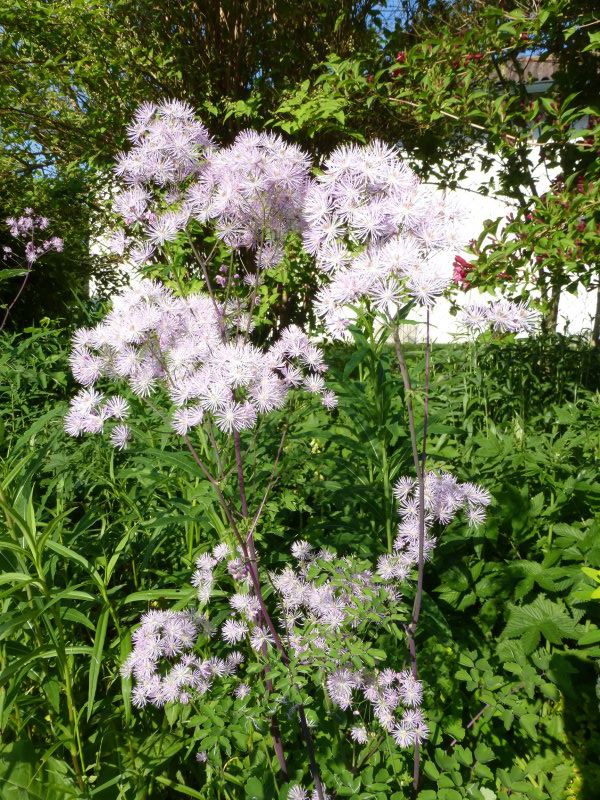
{"x":576,"y":312}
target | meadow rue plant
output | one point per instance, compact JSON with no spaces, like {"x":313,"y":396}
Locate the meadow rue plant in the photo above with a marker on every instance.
{"x":383,"y":243}
{"x":502,"y":316}
{"x":378,"y":233}
{"x":30,"y":247}
{"x":192,"y":348}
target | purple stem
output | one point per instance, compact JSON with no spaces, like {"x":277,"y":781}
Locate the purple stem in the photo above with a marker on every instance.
{"x":419,"y":594}
{"x":420,"y":463}
{"x":16,"y":298}
{"x":250,"y":556}
{"x":314,"y":769}
{"x":240,"y":473}
{"x":253,"y":567}
{"x":213,"y":482}
{"x":481,"y":712}
{"x":252,"y":561}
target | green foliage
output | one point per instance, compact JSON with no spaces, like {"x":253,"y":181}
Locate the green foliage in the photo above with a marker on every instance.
{"x":455,"y":85}
{"x":509,"y":639}
{"x":74,"y":72}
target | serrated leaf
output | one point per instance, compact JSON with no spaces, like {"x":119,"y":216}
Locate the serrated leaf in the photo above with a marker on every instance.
{"x":540,"y":618}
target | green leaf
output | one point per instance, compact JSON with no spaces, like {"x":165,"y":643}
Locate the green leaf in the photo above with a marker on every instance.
{"x":483,"y":753}
{"x":540,"y":618}
{"x":159,"y":594}
{"x":430,"y":769}
{"x":180,"y":788}
{"x":96,"y":658}
{"x":254,"y":789}
{"x":7,"y":274}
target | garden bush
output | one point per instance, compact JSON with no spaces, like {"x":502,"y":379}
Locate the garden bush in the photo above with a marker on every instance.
{"x":292,"y":462}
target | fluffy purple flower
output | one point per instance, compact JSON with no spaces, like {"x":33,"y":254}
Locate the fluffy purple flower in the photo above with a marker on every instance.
{"x":26,"y":229}
{"x":502,"y":316}
{"x":191,"y":348}
{"x":119,"y":436}
{"x":234,"y":631}
{"x":340,"y":686}
{"x":260,"y":638}
{"x":254,"y":191}
{"x":378,"y":233}
{"x":296,"y":792}
{"x":358,"y":734}
{"x":445,"y":497}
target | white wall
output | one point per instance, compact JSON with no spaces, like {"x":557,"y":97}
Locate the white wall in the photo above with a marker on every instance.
{"x":576,"y":312}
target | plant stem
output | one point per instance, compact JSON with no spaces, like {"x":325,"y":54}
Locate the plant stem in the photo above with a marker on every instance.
{"x":408,"y":399}
{"x":387,"y":497}
{"x":16,"y":298}
{"x":311,"y":752}
{"x":251,"y":558}
{"x":240,"y":473}
{"x":420,"y":467}
{"x":363,"y":759}
{"x":253,"y":566}
{"x":482,"y":711}
{"x":213,"y":482}
{"x":419,"y":594}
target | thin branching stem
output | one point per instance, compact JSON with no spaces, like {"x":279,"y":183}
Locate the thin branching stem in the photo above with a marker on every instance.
{"x":408,"y":399}
{"x":214,"y":483}
{"x":15,"y":299}
{"x":419,"y":460}
{"x":272,"y":478}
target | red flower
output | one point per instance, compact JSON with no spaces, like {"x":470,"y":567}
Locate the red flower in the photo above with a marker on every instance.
{"x":461,"y":270}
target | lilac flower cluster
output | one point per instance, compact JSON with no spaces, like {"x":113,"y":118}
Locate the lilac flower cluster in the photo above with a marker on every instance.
{"x":374,"y":229}
{"x":330,"y":605}
{"x":192,"y":348}
{"x":169,"y":149}
{"x":167,"y":635}
{"x":26,"y":227}
{"x":444,"y":498}
{"x":378,"y":233}
{"x":395,"y":698}
{"x":162,"y":637}
{"x":296,"y":792}
{"x":502,"y":316}
{"x":323,"y":603}
{"x":253,"y":191}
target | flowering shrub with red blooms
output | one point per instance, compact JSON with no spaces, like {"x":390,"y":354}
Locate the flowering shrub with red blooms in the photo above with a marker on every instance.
{"x":550,"y":246}
{"x":461,"y":269}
